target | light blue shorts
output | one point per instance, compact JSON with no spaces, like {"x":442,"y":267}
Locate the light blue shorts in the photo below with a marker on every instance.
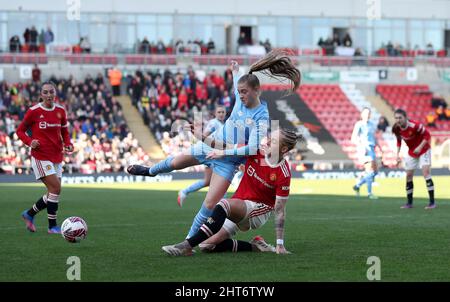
{"x":225,"y":167}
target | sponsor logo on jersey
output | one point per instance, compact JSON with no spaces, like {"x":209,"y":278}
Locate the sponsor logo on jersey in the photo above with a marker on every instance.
{"x":44,"y":125}
{"x":250,"y":170}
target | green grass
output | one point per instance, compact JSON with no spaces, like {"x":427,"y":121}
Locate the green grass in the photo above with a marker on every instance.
{"x":330,"y":232}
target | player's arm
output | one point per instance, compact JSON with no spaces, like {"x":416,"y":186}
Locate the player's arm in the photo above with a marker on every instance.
{"x":22,"y":131}
{"x":280,"y":217}
{"x":257,"y":133}
{"x":235,"y":72}
{"x":395,"y":130}
{"x":65,"y":133}
{"x":282,"y":195}
{"x":426,"y":137}
{"x":354,"y":138}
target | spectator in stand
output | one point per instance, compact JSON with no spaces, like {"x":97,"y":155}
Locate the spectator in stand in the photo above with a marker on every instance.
{"x":390,"y":49}
{"x":163,"y":100}
{"x":33,"y":39}
{"x":85,"y":45}
{"x":437,"y":101}
{"x":347,"y":41}
{"x":14,"y":44}
{"x":267,"y":46}
{"x":36,"y":74}
{"x":336,"y":41}
{"x":211,"y":46}
{"x":431,"y":119}
{"x":447,"y":114}
{"x":430,"y":49}
{"x":383,"y":124}
{"x":145,"y":46}
{"x":49,"y":37}
{"x":160,"y":47}
{"x":26,"y":36}
{"x":242,"y":39}
{"x":440,"y":113}
{"x":115,"y":78}
{"x":41,"y":37}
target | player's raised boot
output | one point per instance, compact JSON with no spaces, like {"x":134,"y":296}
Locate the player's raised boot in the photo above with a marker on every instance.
{"x":29,"y":221}
{"x":356,"y":189}
{"x":173,"y":250}
{"x":181,"y":198}
{"x":261,"y":245}
{"x":371,"y":196}
{"x":54,"y":230}
{"x":430,"y":206}
{"x":139,"y":170}
{"x":406,"y":206}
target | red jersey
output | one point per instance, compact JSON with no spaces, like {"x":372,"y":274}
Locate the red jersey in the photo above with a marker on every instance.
{"x":413,"y":135}
{"x":264,"y":183}
{"x":49,"y":127}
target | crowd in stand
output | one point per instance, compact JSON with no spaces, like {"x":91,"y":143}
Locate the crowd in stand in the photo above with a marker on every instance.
{"x":329,"y":45}
{"x":98,"y":129}
{"x":33,"y":41}
{"x":441,"y":111}
{"x":163,"y":98}
{"x":398,"y":50}
{"x":195,"y":46}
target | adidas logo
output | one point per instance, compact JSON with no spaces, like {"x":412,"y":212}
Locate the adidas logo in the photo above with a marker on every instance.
{"x":42,"y":116}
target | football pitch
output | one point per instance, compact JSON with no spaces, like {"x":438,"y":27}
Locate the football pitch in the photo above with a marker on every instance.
{"x":330,"y":232}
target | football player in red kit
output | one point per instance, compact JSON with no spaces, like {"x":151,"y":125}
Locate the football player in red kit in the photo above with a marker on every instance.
{"x":417,"y":138}
{"x":49,"y":137}
{"x":264,"y":189}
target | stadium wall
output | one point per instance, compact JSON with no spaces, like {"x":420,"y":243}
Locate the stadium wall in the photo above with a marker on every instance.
{"x":321,"y":8}
{"x":75,"y":178}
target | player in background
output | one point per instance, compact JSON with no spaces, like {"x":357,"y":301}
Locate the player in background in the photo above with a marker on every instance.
{"x":49,"y":138}
{"x":211,"y":127}
{"x":417,"y":138}
{"x":264,"y":189}
{"x":239,"y":137}
{"x":363,"y":137}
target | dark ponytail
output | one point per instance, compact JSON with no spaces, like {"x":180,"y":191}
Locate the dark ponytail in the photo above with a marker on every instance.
{"x":275,"y":64}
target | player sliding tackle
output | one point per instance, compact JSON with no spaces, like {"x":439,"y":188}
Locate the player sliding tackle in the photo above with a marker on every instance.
{"x":417,"y":138}
{"x":240,"y":136}
{"x":264,"y":189}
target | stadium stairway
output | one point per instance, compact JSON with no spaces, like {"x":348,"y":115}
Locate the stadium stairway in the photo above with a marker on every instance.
{"x":291,"y":111}
{"x":140,"y":130}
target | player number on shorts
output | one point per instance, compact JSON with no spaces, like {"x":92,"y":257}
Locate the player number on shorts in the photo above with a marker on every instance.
{"x":74,"y":270}
{"x":374,"y":271}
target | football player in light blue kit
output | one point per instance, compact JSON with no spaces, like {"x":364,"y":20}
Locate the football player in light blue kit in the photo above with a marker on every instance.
{"x":211,"y":127}
{"x":364,"y":137}
{"x":240,"y":136}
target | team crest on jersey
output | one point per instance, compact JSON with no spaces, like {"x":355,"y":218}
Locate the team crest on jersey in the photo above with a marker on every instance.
{"x":248,"y":121}
{"x":58,"y":115}
{"x":48,"y":167}
{"x":273,"y":177}
{"x":210,"y":220}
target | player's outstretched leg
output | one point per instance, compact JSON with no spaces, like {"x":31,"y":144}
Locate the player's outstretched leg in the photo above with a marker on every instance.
{"x":192,"y":188}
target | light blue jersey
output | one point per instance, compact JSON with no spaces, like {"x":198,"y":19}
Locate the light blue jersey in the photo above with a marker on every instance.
{"x":366,"y":135}
{"x":242,"y":133}
{"x":245,"y":126}
{"x":366,"y":132}
{"x":213,"y":125}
